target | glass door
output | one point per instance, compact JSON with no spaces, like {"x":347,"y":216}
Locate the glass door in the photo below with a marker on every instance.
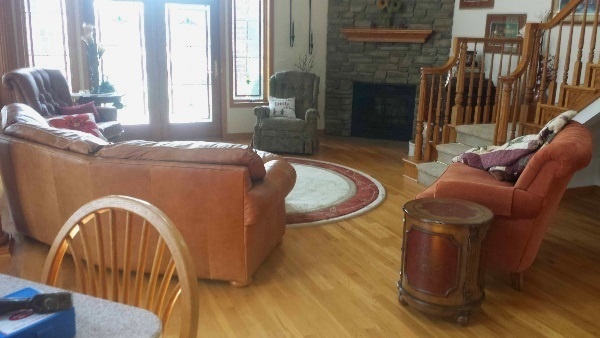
{"x":162,"y":55}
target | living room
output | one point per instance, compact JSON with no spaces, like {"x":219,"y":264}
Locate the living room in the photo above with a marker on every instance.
{"x":340,"y":279}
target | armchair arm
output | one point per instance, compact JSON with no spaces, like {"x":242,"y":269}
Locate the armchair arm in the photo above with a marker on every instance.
{"x":311,"y":117}
{"x":501,"y":200}
{"x":261,"y":112}
{"x":107,"y":113}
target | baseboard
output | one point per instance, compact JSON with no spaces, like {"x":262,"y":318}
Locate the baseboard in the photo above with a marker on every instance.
{"x":578,"y":191}
{"x":238,"y":136}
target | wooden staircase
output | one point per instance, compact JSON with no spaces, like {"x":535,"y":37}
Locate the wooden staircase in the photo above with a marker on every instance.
{"x":515,"y":106}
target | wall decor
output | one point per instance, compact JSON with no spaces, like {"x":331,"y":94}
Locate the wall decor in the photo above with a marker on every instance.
{"x":310,"y":31}
{"x":558,"y":5}
{"x":505,"y":26}
{"x":476,"y":4}
{"x":292,"y":35}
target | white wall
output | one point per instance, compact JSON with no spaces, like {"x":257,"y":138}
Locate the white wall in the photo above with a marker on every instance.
{"x":241,"y":120}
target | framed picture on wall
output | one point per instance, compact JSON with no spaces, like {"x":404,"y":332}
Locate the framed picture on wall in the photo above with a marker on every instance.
{"x":558,"y":5}
{"x":476,"y":4}
{"x":504,"y":26}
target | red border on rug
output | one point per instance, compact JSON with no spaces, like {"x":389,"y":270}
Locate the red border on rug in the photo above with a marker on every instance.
{"x":366,"y":193}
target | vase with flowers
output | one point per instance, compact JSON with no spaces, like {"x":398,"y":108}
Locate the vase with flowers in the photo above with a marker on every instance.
{"x":93,"y":52}
{"x":388,"y":9}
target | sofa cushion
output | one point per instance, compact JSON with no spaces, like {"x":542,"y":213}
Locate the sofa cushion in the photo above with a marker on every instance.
{"x":283,"y":124}
{"x":81,"y":122}
{"x":110,"y":129}
{"x":72,"y":140}
{"x":189,"y":151}
{"x":21,"y":113}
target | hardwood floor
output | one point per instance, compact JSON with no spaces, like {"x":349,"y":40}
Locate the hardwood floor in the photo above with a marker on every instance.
{"x":339,"y":279}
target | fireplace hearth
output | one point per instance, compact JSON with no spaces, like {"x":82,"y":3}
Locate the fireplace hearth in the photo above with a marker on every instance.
{"x":383,"y":111}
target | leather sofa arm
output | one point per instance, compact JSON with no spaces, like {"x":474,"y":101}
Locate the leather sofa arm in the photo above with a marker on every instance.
{"x":275,"y":186}
{"x":501,"y":200}
{"x":107,"y":114}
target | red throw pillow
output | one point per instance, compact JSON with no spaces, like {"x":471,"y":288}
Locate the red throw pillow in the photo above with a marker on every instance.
{"x":81,"y":122}
{"x":85,"y":108}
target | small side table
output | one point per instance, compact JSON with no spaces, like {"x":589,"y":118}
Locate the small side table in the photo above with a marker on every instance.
{"x":98,"y":99}
{"x":441,"y":270}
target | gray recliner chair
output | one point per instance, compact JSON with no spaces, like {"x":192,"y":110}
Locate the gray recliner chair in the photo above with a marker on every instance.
{"x":45,"y":90}
{"x":290,"y":135}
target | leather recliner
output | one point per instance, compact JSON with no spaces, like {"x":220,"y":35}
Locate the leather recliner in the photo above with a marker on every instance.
{"x":45,"y":90}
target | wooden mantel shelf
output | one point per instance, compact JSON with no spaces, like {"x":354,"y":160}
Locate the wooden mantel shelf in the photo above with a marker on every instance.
{"x":387,"y":35}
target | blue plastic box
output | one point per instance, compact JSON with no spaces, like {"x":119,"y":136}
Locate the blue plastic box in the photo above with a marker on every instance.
{"x":24,"y":324}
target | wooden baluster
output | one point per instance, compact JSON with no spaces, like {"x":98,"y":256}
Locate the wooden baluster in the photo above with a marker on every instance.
{"x":578,"y":64}
{"x":530,"y":81}
{"x":438,"y":114}
{"x":561,"y":97}
{"x":420,"y":117}
{"x":470,"y":97}
{"x":593,"y":44}
{"x":478,"y":118}
{"x":517,"y":93}
{"x":543,"y":81}
{"x":458,"y":110}
{"x":499,"y":89}
{"x":447,"y":111}
{"x":429,"y":124}
{"x":554,"y":82}
{"x":487,"y":118}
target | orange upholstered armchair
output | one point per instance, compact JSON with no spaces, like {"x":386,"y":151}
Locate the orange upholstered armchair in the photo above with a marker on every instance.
{"x":522,"y":210}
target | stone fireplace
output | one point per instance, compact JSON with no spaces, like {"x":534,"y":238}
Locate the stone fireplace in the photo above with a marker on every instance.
{"x":383,"y":63}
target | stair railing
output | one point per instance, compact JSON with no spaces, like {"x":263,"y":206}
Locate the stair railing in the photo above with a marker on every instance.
{"x":462,"y":91}
{"x":552,"y":61}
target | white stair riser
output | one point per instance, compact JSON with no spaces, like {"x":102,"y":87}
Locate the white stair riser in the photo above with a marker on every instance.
{"x":426,"y":179}
{"x":471,"y":140}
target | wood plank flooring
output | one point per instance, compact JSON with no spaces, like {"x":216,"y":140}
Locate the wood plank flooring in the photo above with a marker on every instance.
{"x":339,"y":280}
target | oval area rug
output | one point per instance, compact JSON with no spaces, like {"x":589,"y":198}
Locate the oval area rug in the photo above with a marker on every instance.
{"x":326,"y":192}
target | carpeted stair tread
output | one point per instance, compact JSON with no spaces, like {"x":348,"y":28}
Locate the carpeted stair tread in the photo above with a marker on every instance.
{"x":449,"y":150}
{"x":475,"y":135}
{"x":430,"y":171}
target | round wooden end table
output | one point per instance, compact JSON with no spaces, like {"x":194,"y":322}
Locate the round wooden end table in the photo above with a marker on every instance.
{"x":441,"y":269}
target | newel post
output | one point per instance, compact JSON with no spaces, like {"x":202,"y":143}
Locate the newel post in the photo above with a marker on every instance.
{"x":458,"y":111}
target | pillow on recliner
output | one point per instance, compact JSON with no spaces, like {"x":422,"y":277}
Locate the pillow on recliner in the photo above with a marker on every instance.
{"x":85,"y":108}
{"x":282,"y":107}
{"x":82,"y":122}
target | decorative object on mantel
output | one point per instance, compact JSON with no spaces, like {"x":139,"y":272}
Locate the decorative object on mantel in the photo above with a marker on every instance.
{"x":388,"y":9}
{"x":292,"y":35}
{"x":476,"y":4}
{"x":387,"y":35}
{"x":310,"y":32}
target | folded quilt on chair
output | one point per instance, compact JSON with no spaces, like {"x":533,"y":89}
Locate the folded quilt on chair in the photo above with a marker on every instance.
{"x":507,"y":162}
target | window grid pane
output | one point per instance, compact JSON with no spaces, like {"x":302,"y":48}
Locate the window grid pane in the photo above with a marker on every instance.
{"x":46,"y":28}
{"x":248,"y":46}
{"x":189,"y":63}
{"x":120,"y":29}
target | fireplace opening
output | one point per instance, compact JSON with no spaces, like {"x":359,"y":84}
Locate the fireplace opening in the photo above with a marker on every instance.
{"x":383,"y":111}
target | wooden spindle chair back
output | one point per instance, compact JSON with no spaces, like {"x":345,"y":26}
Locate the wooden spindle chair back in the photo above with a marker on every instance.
{"x":126,"y":250}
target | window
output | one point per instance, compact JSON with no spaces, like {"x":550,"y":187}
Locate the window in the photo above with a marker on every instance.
{"x":47,"y":39}
{"x":250,"y":50}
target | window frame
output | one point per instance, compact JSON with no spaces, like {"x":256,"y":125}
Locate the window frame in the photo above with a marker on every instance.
{"x":267,"y":36}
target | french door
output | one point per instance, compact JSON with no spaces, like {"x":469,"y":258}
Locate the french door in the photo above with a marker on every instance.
{"x":163,"y":56}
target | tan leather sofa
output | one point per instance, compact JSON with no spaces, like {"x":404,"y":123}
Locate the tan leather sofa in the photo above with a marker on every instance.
{"x":227,"y":200}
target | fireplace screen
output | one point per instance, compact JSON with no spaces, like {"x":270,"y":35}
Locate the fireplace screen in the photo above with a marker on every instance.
{"x":383,"y":111}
